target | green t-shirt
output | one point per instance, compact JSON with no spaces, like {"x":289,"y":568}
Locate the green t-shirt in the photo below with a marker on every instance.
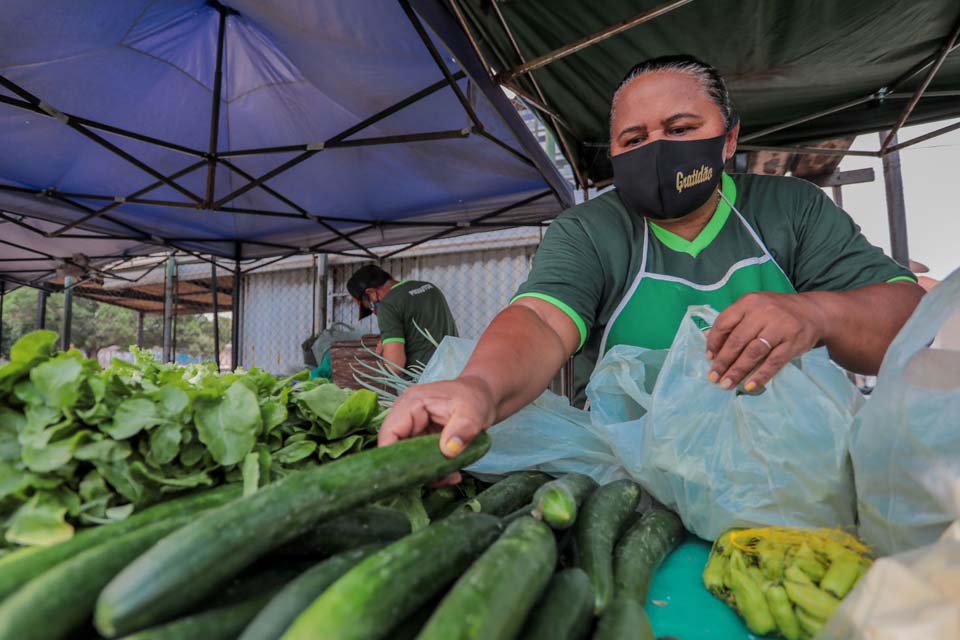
{"x":410,"y":304}
{"x":591,"y":254}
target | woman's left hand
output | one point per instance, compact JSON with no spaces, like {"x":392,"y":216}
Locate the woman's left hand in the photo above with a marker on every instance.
{"x":759,"y":334}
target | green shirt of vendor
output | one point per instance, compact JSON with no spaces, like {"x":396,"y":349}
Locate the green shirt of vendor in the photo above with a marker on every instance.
{"x":412,"y":314}
{"x":624,"y":279}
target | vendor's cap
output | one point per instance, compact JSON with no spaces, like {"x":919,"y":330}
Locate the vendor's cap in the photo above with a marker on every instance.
{"x":367,"y":277}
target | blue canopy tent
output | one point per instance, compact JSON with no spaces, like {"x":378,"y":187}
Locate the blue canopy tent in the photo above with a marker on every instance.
{"x":245,"y":129}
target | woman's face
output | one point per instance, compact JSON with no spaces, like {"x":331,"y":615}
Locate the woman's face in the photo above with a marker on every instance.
{"x":666,"y":105}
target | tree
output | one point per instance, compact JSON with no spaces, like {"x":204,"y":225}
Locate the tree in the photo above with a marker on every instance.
{"x":97,"y":325}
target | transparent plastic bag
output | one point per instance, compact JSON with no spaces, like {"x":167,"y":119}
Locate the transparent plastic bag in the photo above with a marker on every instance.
{"x":905,"y":446}
{"x":907,"y":596}
{"x":723,"y":459}
{"x":548,"y":435}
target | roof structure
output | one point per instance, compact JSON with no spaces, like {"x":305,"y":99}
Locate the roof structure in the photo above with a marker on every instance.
{"x":243,"y":130}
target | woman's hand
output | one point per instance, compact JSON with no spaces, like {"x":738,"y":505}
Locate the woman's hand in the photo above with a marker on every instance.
{"x":459,"y":410}
{"x":761,"y":333}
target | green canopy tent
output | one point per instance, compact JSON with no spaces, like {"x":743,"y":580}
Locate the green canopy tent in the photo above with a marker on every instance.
{"x":798,"y":72}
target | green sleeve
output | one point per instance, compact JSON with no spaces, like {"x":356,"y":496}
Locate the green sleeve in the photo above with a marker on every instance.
{"x":831,"y":253}
{"x":390,"y":319}
{"x":567,"y":272}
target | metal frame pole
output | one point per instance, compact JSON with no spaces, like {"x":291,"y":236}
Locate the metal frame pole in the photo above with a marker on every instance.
{"x":65,"y":333}
{"x":140,"y":329}
{"x":216,"y":313}
{"x":215,"y":111}
{"x":592,"y":39}
{"x":235,"y":312}
{"x":41,"y":309}
{"x":3,"y":295}
{"x":896,"y":208}
{"x":168,"y":309}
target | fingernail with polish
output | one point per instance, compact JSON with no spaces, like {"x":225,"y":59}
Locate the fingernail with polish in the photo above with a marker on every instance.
{"x":726,"y":384}
{"x":713,"y":377}
{"x":709,"y":355}
{"x":454,"y":445}
{"x":750,"y":386}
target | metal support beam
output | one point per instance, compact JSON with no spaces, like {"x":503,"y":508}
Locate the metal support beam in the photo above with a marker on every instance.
{"x":927,"y":136}
{"x":838,"y":195}
{"x":896,"y":208}
{"x":67,"y":328}
{"x":140,"y":315}
{"x":235,"y":313}
{"x":168,"y":283}
{"x":215,"y":291}
{"x":807,"y":118}
{"x":215,"y":111}
{"x":41,"y":322}
{"x":815,"y":151}
{"x":937,"y":63}
{"x":592,"y":39}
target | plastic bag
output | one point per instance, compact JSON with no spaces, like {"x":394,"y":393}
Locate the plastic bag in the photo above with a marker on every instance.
{"x":548,"y":435}
{"x":906,"y":442}
{"x":915,"y":594}
{"x":722,"y":459}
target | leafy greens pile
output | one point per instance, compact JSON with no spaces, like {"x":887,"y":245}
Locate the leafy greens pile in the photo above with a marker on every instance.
{"x":81,"y":445}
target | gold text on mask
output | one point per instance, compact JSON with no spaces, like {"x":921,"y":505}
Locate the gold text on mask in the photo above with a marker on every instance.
{"x":695,"y":177}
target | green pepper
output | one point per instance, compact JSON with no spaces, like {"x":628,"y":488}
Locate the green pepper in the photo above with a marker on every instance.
{"x":783,"y":613}
{"x":751,"y":603}
{"x":820,"y":603}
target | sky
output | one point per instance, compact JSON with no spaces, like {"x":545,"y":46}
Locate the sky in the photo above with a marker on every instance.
{"x":930,"y":181}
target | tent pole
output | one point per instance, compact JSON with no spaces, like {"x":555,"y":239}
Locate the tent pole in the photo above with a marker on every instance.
{"x":808,"y":118}
{"x":557,"y":122}
{"x":215,"y":111}
{"x":235,"y":312}
{"x":896,"y":208}
{"x":41,"y":309}
{"x":816,"y":151}
{"x":67,"y":313}
{"x":3,"y":295}
{"x":918,"y":94}
{"x":924,"y":137}
{"x":216,"y":313}
{"x":838,"y":195}
{"x":168,"y":309}
{"x":140,"y":330}
{"x":592,"y":39}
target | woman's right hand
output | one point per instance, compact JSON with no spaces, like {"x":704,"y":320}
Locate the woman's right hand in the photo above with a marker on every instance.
{"x":458,"y":410}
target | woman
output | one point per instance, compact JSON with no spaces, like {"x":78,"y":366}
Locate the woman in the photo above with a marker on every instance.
{"x":787,"y":269}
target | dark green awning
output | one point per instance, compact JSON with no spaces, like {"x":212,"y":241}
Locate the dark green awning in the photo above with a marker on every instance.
{"x":783,"y":60}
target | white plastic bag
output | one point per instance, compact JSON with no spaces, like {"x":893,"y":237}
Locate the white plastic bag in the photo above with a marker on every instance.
{"x":548,"y":435}
{"x":906,"y":442}
{"x":723,"y":459}
{"x":909,"y":596}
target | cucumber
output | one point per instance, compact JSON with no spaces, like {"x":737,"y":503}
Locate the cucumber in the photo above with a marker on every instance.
{"x":641,"y":550}
{"x":222,"y":623}
{"x":624,"y":618}
{"x":556,"y":502}
{"x":492,"y":599}
{"x":394,"y":582}
{"x":605,"y":513}
{"x":191,"y":564}
{"x":508,"y":494}
{"x":21,"y":566}
{"x":60,"y":600}
{"x":565,"y":612}
{"x":522,"y":512}
{"x":359,"y":528}
{"x":286,"y":605}
{"x":438,"y":501}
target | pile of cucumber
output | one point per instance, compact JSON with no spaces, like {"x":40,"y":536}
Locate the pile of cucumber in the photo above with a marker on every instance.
{"x":309,"y":557}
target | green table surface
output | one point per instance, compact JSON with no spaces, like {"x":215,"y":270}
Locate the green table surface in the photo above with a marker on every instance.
{"x":680,"y":606}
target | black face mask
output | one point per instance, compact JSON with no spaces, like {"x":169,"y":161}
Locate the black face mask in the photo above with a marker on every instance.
{"x":668,"y":179}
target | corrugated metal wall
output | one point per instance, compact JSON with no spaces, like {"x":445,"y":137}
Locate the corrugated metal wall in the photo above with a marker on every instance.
{"x":278,"y":314}
{"x":477,"y":284}
{"x":278,"y":305}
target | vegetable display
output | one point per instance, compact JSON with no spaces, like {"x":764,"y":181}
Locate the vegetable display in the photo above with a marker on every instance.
{"x":781,"y":581}
{"x":83,"y":446}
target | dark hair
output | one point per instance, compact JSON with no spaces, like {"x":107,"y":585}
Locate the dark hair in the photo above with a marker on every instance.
{"x":369,"y":276}
{"x":708,"y":76}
